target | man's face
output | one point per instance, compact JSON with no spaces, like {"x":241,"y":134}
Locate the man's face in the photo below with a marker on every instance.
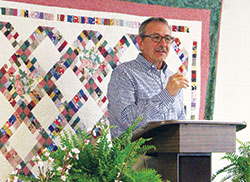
{"x":155,"y":52}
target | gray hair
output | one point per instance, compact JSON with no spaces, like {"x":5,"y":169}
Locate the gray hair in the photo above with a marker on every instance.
{"x":149,"y":20}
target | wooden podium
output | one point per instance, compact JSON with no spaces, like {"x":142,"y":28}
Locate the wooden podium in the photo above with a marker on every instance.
{"x":183,"y":148}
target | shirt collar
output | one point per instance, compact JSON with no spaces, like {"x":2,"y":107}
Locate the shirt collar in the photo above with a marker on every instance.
{"x":148,"y":65}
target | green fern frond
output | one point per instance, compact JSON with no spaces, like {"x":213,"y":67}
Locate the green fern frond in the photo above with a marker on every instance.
{"x":146,"y":175}
{"x":239,"y":168}
{"x":100,"y":159}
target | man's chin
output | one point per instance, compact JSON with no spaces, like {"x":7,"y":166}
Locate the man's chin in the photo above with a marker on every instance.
{"x":162,"y":58}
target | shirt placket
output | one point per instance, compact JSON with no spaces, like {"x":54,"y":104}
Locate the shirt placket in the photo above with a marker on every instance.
{"x":163,"y":80}
{"x":157,"y":76}
{"x":164,"y":84}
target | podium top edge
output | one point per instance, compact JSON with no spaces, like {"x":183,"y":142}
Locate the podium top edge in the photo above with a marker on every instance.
{"x":155,"y":124}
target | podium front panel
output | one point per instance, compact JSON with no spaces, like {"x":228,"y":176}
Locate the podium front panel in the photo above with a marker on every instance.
{"x":194,"y":138}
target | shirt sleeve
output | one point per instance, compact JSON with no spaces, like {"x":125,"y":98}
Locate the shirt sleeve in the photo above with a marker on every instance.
{"x":123,"y":107}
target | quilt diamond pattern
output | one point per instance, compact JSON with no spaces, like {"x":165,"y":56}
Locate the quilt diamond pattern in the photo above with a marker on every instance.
{"x":65,"y":86}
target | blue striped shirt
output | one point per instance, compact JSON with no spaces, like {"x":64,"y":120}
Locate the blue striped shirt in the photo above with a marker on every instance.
{"x":137,"y":88}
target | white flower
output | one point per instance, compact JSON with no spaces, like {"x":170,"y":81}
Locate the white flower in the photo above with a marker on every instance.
{"x":70,"y":154}
{"x":75,"y":150}
{"x":18,"y":166}
{"x":47,"y":154}
{"x":63,"y":178}
{"x":15,"y":179}
{"x":64,"y":148}
{"x":34,"y":158}
{"x":45,"y":150}
{"x":66,"y":158}
{"x":59,"y":169}
{"x":40,"y":164}
{"x":14,"y":172}
{"x":69,"y":166}
{"x":50,"y":159}
{"x":38,"y":157}
{"x":67,"y":172}
{"x":77,"y":157}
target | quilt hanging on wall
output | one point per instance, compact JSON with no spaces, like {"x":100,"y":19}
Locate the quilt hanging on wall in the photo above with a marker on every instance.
{"x":55,"y":65}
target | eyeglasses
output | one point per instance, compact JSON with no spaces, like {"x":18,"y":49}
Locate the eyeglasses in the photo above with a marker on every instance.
{"x":157,"y":38}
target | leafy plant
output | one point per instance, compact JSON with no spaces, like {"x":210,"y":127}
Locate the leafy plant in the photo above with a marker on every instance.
{"x":238,"y":170}
{"x":92,"y":157}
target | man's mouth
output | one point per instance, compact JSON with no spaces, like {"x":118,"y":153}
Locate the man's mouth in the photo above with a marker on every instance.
{"x":161,"y":50}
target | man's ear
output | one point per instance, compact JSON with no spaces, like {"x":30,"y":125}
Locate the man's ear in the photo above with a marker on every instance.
{"x":139,"y":41}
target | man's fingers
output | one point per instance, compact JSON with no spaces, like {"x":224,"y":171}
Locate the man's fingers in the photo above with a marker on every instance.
{"x":180,"y":79}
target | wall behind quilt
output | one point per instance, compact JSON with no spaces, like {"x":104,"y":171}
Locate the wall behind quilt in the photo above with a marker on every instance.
{"x":56,"y":61}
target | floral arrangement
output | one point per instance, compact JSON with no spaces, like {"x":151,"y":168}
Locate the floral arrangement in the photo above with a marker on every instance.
{"x":92,"y":157}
